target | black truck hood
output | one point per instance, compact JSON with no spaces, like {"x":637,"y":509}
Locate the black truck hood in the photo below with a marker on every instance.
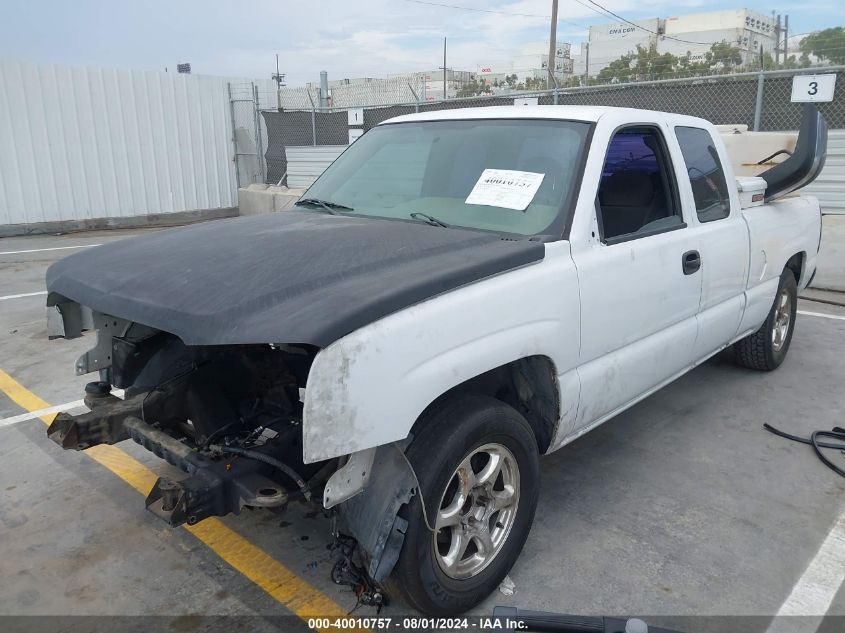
{"x":291,"y":277}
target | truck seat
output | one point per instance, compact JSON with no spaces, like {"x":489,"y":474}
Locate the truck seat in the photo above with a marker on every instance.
{"x":627,"y":200}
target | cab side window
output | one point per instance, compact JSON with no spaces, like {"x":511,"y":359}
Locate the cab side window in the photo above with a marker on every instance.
{"x":637,"y":194}
{"x":709,"y":187}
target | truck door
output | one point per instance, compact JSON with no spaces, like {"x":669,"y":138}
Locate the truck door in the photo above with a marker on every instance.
{"x":723,"y":238}
{"x":640,"y":282}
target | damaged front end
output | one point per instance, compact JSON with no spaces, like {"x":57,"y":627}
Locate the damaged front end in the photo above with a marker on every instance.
{"x":230,"y":418}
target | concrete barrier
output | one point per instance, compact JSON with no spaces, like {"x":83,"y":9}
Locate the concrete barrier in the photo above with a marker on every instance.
{"x":260,"y":198}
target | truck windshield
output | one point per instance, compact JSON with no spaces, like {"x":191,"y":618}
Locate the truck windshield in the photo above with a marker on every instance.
{"x":509,"y":176}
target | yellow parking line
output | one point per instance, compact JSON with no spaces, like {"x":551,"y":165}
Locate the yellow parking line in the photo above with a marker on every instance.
{"x":22,"y":396}
{"x":278,"y":581}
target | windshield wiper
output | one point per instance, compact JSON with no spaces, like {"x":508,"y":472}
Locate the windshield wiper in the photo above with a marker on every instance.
{"x":429,"y":219}
{"x":328,"y":205}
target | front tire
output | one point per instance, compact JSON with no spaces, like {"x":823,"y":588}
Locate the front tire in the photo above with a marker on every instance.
{"x":477,"y":462}
{"x":766,"y":349}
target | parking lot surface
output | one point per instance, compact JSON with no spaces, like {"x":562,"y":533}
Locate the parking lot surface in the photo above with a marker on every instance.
{"x":681,"y":506}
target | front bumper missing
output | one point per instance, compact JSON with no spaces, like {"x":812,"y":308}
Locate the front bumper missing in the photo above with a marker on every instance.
{"x":367,"y":494}
{"x":214,"y":485}
{"x":216,"y":490}
{"x":103,"y":424}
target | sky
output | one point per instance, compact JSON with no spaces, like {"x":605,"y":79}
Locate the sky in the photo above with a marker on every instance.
{"x":353,"y":38}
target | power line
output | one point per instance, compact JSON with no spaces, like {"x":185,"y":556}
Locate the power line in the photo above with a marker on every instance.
{"x":601,"y":10}
{"x":476,"y":10}
{"x":608,"y":12}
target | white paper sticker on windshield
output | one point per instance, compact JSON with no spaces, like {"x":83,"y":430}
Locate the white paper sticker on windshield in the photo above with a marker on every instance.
{"x":505,"y":188}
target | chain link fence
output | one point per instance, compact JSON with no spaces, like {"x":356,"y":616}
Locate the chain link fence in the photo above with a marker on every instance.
{"x":778,"y":113}
{"x":759,"y":100}
{"x":248,"y":139}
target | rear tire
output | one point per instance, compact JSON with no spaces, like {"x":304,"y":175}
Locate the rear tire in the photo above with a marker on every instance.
{"x":477,"y":462}
{"x":766,"y":349}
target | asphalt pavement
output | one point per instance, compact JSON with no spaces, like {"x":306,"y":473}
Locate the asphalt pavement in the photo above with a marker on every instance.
{"x":681,"y":506}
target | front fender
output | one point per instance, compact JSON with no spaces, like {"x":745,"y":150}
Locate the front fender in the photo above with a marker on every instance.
{"x":369,"y":387}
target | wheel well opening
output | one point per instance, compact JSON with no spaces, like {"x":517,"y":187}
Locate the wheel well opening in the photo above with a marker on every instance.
{"x":796,"y":265}
{"x":529,"y":385}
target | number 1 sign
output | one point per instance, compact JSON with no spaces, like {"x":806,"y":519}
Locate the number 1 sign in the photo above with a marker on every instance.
{"x":813,"y":87}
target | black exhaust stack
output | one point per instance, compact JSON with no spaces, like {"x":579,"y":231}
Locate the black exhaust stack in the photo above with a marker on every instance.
{"x":805,"y":163}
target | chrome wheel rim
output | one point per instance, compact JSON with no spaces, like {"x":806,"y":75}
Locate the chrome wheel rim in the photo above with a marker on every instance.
{"x":477,"y":511}
{"x":783,"y":319}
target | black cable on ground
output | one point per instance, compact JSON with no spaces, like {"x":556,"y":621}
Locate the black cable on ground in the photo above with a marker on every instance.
{"x":271,"y":461}
{"x":837,"y":433}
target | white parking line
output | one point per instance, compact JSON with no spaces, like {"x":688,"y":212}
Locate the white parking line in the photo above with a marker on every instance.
{"x":54,"y":248}
{"x":822,"y":315}
{"x":814,"y":592}
{"x":29,"y":415}
{"x":67,"y":406}
{"x":25,"y":294}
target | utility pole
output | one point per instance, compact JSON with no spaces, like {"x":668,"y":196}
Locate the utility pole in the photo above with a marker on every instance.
{"x":444,"y":68}
{"x":777,"y":42}
{"x":758,"y":102}
{"x":586,"y":63}
{"x":786,"y":39}
{"x":280,"y":81}
{"x":551,"y":82}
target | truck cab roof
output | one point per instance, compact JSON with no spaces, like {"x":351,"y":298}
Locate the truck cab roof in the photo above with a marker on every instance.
{"x":590,"y":114}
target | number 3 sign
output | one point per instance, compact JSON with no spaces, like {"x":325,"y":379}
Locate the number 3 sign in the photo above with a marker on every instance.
{"x":813,"y":87}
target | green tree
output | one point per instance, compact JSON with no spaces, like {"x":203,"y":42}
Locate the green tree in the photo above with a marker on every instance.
{"x":828,"y":44}
{"x":619,"y":70}
{"x":473,"y":88}
{"x":792,"y":62}
{"x":532,"y":83}
{"x":687,"y":67}
{"x":768,"y":62}
{"x":644,"y":64}
{"x":801,"y":62}
{"x":653,"y":65}
{"x":469,"y":89}
{"x":728,"y":55}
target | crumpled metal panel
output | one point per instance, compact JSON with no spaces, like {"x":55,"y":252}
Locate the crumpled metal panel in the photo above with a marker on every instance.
{"x":371,"y":516}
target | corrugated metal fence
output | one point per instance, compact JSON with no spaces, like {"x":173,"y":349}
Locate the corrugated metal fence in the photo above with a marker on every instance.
{"x":79,"y":143}
{"x":829,"y":187}
{"x":306,"y":163}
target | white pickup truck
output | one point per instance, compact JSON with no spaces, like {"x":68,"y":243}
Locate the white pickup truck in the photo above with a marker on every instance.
{"x":459,"y":293}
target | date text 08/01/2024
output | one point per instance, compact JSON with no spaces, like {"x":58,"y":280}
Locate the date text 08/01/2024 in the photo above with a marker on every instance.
{"x":416,"y":623}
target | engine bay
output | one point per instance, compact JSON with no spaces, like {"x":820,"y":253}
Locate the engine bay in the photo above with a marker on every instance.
{"x":229,"y":417}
